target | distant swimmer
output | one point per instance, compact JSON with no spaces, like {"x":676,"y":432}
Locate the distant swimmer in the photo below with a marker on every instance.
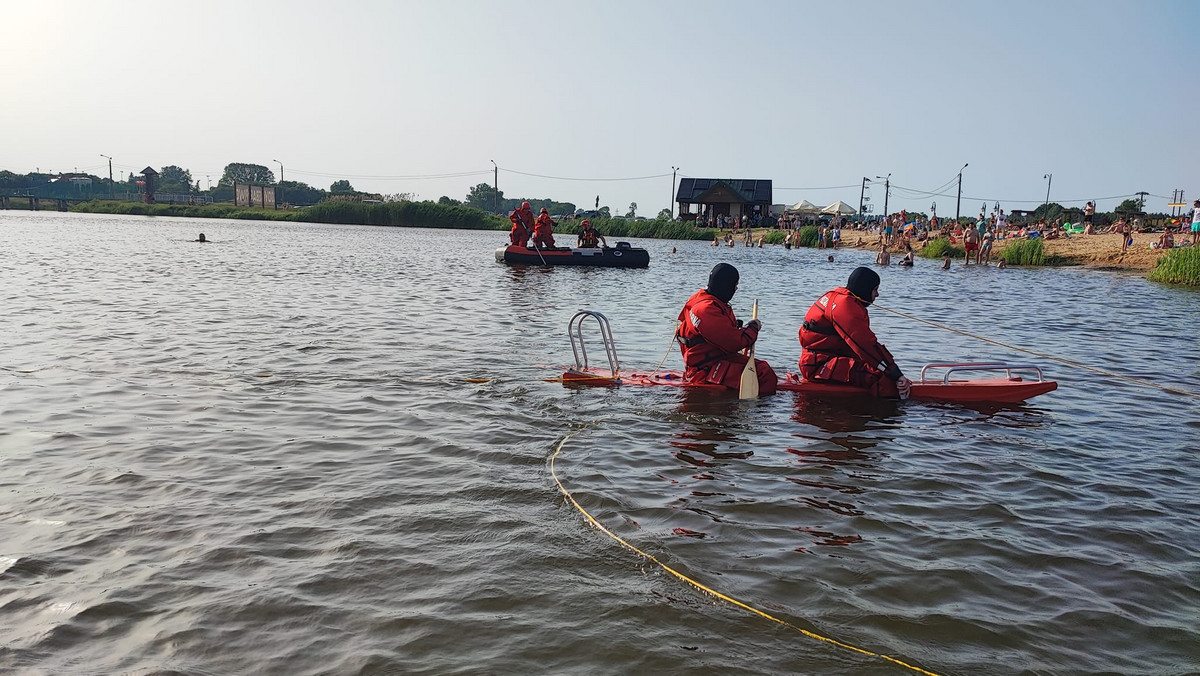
{"x":201,"y":238}
{"x":830,"y":259}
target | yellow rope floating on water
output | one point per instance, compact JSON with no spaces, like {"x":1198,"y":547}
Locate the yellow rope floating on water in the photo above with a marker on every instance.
{"x":1068,"y":362}
{"x":592,"y":520}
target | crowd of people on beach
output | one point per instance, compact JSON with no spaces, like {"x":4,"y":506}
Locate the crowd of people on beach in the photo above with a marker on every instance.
{"x":900,"y":234}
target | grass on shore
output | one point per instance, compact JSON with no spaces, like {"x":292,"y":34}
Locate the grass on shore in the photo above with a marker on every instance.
{"x":940,"y":248}
{"x":1178,"y":266}
{"x":1024,"y":252}
{"x":184,"y":210}
{"x":397,"y":214}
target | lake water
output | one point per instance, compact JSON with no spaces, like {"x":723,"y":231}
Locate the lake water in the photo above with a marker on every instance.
{"x":308,"y":449}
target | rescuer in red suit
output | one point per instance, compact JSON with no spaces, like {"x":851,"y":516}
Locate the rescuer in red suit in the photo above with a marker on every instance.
{"x":522,"y":229}
{"x":543,"y":230}
{"x":711,"y":338}
{"x":837,"y":344}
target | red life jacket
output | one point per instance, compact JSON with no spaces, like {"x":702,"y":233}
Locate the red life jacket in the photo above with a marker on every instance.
{"x":710,"y":331}
{"x":837,"y":325}
{"x":588,"y":238}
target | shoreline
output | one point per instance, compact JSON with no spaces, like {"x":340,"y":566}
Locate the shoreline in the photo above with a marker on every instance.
{"x":1100,"y":252}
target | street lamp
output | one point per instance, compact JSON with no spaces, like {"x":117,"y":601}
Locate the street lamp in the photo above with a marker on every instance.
{"x":958,"y":204}
{"x":495,"y":187}
{"x":110,"y":182}
{"x":1049,"y":179}
{"x":671,"y":204}
{"x":887,"y":185}
{"x":279,"y":197}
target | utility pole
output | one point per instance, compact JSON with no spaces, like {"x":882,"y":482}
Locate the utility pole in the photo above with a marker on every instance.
{"x":279,"y":197}
{"x":887,"y":187}
{"x":672,"y":203}
{"x":1142,"y":200}
{"x":495,"y":187}
{"x":110,"y":181}
{"x":1049,"y":179}
{"x":862,"y":194}
{"x":958,"y":204}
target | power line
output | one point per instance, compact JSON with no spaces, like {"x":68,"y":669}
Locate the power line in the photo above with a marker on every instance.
{"x":1000,"y":199}
{"x":411,"y":177}
{"x":831,"y":187}
{"x":569,"y":178}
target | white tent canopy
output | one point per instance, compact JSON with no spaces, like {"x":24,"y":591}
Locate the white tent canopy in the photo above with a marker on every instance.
{"x":839,"y":208}
{"x":804,"y":207}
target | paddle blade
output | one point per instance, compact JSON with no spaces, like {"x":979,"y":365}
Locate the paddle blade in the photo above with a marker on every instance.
{"x":748,"y":389}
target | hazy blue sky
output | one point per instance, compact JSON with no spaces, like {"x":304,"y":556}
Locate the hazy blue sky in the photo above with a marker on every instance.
{"x":1103,"y":95}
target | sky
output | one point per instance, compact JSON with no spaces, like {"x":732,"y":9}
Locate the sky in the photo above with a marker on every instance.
{"x":587,"y":99}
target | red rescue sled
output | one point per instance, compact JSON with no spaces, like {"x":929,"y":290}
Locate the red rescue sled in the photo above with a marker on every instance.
{"x":1010,"y":389}
{"x":1009,"y":384}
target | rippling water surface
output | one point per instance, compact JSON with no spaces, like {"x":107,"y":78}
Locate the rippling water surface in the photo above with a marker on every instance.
{"x":305,"y":449}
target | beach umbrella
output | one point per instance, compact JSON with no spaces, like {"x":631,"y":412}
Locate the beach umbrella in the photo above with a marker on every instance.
{"x":804,"y":207}
{"x":839,"y":208}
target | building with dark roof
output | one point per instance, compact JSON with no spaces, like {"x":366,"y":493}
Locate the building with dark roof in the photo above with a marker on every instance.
{"x":704,"y":197}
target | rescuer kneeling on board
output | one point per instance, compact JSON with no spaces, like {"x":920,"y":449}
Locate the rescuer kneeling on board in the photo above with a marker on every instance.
{"x":712,"y":339}
{"x":837,"y":344}
{"x":522,"y":228}
{"x":543,"y":230}
{"x":588,"y":237}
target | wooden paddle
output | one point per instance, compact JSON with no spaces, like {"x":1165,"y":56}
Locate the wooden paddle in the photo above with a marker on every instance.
{"x":749,"y":386}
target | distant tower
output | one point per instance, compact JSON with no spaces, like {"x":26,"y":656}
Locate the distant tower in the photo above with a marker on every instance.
{"x":150,"y":176}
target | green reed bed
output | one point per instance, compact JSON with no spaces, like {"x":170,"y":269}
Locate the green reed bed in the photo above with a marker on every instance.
{"x":399,"y":214}
{"x":1178,"y":266}
{"x":1030,"y":252}
{"x":185,"y":210}
{"x":403,"y":214}
{"x":774,"y":237}
{"x":1024,"y":252}
{"x":940,"y":248}
{"x":809,"y":235}
{"x":651,"y":229}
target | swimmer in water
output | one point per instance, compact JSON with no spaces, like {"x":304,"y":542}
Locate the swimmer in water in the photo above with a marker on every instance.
{"x":201,"y":238}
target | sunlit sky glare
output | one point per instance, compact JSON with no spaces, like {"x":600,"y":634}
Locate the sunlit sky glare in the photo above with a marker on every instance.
{"x":815,"y":96}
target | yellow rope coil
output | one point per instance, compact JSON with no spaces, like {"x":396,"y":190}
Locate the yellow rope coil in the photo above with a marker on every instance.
{"x":708,"y":590}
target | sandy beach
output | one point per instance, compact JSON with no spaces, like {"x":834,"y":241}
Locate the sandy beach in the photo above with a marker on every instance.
{"x":1105,"y":251}
{"x":1100,"y":251}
